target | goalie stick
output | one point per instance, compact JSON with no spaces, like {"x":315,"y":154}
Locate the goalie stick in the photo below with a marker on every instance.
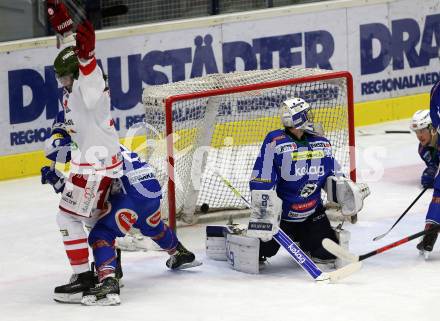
{"x":401,"y":216}
{"x":342,"y":253}
{"x":297,"y":254}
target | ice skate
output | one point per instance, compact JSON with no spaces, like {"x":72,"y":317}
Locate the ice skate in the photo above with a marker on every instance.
{"x":106,"y":293}
{"x":426,"y":245}
{"x":72,"y":292}
{"x":182,"y":259}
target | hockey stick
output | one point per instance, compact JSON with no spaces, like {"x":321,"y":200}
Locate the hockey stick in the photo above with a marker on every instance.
{"x":401,"y":216}
{"x":295,"y":251}
{"x":342,"y":253}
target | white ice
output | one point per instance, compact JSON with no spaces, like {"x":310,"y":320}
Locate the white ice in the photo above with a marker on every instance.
{"x":395,"y":285}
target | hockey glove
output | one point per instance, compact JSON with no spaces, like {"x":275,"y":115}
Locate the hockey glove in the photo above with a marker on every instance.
{"x":53,"y":177}
{"x":428,"y":176}
{"x":59,"y":17}
{"x":347,"y":194}
{"x":85,"y":41}
{"x":265,"y":214}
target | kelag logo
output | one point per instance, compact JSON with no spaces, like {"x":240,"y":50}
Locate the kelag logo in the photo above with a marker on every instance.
{"x":406,"y":39}
{"x":316,"y":47}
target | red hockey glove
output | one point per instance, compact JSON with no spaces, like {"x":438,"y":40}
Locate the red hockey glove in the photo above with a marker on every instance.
{"x":59,"y":17}
{"x":85,"y":41}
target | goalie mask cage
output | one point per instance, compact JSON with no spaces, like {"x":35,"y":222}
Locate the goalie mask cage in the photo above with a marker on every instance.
{"x":216,"y":124}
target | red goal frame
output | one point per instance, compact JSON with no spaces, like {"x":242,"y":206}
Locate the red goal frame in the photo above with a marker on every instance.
{"x":265,"y":85}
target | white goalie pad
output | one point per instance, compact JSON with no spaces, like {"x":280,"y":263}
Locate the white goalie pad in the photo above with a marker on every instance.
{"x":243,"y":253}
{"x":344,"y":240}
{"x":216,"y":240}
{"x":265,"y":214}
{"x":347,"y":194}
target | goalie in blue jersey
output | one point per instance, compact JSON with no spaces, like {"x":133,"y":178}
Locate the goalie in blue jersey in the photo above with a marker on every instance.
{"x":426,"y":245}
{"x":294,"y":165}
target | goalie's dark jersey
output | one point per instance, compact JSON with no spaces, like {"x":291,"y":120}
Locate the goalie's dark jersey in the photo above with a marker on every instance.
{"x":298,"y":169}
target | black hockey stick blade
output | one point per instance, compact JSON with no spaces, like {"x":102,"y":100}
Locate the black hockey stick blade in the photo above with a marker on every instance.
{"x":114,"y":11}
{"x":397,"y":132}
{"x":401,"y":216}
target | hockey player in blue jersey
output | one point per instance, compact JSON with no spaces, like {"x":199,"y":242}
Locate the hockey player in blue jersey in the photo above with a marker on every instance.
{"x":294,"y":165}
{"x":134,"y":201}
{"x":421,"y":124}
{"x":426,"y":245}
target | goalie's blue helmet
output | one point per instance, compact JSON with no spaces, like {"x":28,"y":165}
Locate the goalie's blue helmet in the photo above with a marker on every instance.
{"x":295,"y":113}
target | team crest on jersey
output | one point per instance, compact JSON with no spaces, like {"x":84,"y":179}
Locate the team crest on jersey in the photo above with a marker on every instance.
{"x":308,"y":190}
{"x":286,"y":147}
{"x":154,"y":220}
{"x":125,"y":219}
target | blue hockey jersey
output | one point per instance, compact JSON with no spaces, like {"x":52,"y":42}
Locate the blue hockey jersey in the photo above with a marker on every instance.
{"x":138,"y":181}
{"x":429,"y":154}
{"x":434,"y":107}
{"x":297,"y":169}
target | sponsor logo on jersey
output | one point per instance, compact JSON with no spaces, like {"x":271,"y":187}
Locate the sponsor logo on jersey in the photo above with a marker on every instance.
{"x":154,"y":219}
{"x":140,"y":175}
{"x":319,"y":144}
{"x":308,"y":154}
{"x":64,"y":232}
{"x":260,"y":180}
{"x":125,"y":219}
{"x":286,"y":147}
{"x":308,"y":190}
{"x":312,"y":170}
{"x":303,"y":206}
{"x":436,"y":200}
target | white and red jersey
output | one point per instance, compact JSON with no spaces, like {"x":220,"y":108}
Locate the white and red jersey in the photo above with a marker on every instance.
{"x":95,"y":147}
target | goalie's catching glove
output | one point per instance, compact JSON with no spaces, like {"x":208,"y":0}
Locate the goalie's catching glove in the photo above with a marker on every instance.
{"x":347,"y":194}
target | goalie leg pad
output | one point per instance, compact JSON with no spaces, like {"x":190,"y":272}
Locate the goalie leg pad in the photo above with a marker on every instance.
{"x":216,"y":242}
{"x":243,"y":253}
{"x":343,"y":237}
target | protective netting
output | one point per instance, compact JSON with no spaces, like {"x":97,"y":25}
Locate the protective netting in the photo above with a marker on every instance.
{"x":228,"y":129}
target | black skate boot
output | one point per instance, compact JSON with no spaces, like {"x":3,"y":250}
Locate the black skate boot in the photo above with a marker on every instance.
{"x":106,"y":293}
{"x":182,"y":259}
{"x":73,"y":291}
{"x":428,"y":241}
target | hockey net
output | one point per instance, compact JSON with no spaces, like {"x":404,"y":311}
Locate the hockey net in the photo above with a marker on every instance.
{"x":216,"y":124}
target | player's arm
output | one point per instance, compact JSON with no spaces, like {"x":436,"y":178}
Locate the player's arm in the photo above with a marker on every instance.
{"x":57,"y":147}
{"x":264,"y":174}
{"x":430,"y":157}
{"x":265,"y":203}
{"x":434,"y":106}
{"x":90,"y":79}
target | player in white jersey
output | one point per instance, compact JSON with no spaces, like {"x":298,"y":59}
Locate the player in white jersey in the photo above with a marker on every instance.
{"x":95,"y":155}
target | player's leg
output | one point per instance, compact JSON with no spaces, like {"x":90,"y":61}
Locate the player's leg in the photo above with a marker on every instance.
{"x":150,"y":224}
{"x":432,"y":218}
{"x":315,"y":229}
{"x":75,"y":243}
{"x":116,"y":223}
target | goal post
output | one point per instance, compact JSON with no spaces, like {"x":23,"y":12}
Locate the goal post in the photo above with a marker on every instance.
{"x":216,"y":123}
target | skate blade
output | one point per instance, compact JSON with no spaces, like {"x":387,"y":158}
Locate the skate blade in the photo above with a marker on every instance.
{"x":189,"y":265}
{"x":110,"y":299}
{"x":73,"y":298}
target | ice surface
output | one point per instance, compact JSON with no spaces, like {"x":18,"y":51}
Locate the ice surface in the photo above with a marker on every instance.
{"x":396,"y":285}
